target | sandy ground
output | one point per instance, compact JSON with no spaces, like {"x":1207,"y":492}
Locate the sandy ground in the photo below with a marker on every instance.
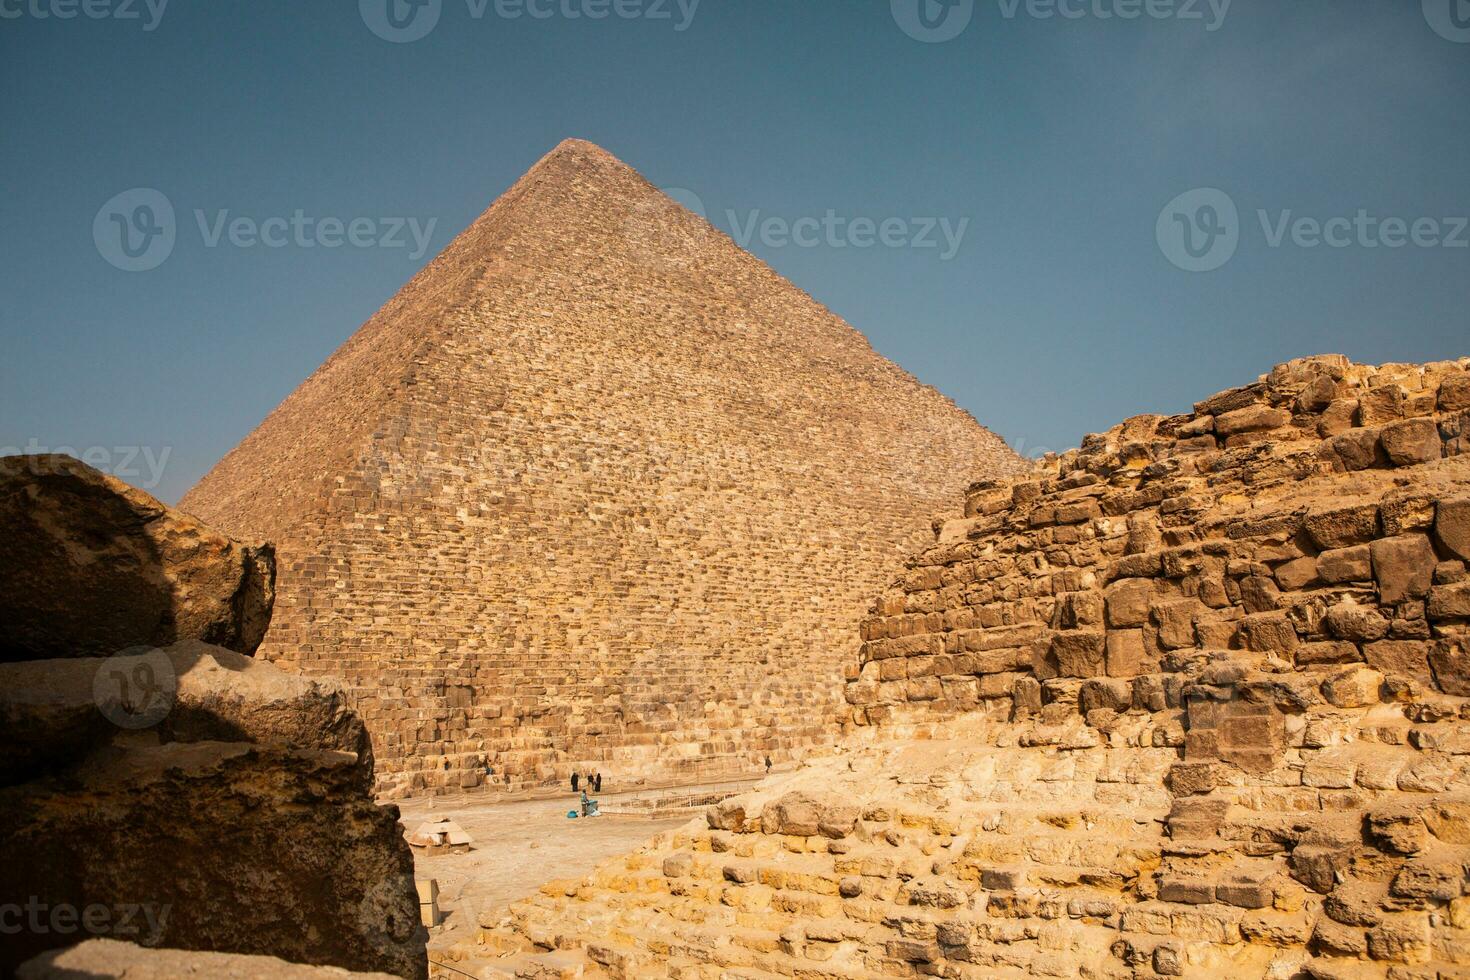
{"x":519,"y":845}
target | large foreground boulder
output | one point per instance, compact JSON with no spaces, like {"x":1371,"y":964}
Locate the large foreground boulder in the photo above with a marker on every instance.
{"x":241,"y":820}
{"x":90,"y":566}
{"x":156,"y":787}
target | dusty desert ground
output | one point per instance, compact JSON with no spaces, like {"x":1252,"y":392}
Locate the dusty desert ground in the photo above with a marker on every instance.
{"x":521,"y":844}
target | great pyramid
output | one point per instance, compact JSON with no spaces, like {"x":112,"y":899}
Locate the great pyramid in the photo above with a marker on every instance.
{"x":596,"y":490}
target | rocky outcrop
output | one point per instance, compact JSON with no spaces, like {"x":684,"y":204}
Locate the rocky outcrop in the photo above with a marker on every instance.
{"x":897,"y":858}
{"x":187,"y":837}
{"x":93,"y":566}
{"x":98,"y":958}
{"x":1191,"y":700}
{"x":185,"y":796}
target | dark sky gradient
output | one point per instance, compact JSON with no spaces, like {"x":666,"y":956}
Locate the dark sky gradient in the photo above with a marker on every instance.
{"x":1059,"y":139}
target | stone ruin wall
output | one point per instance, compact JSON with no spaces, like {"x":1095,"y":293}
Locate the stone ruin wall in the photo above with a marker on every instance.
{"x":624,"y":496}
{"x":1193,"y":700}
{"x":1265,"y":523}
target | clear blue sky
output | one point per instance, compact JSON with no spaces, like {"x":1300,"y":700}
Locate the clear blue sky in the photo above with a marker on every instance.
{"x":1060,"y":139}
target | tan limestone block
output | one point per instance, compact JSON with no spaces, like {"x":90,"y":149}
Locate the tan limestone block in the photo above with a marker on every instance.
{"x":1403,"y":567}
{"x":1411,"y":442}
{"x":1452,"y":526}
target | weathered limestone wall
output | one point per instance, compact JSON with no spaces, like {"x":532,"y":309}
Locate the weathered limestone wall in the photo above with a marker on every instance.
{"x":596,"y":490}
{"x":1190,"y":701}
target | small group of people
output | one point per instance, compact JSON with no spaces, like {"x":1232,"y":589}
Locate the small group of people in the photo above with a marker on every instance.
{"x":589,"y":783}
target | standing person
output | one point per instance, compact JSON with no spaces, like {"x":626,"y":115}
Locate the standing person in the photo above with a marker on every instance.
{"x":768,"y":765}
{"x":597,"y":782}
{"x":575,"y":777}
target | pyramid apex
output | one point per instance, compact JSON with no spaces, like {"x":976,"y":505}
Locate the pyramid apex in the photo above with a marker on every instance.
{"x":572,"y":151}
{"x":573,"y":144}
{"x":574,"y":169}
{"x":577,"y":161}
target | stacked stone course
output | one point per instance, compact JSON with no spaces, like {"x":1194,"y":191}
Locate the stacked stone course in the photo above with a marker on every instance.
{"x":1191,"y":700}
{"x":1312,"y":523}
{"x":596,"y":490}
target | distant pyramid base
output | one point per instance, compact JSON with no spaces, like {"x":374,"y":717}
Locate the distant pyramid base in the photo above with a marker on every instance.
{"x":597,"y":490}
